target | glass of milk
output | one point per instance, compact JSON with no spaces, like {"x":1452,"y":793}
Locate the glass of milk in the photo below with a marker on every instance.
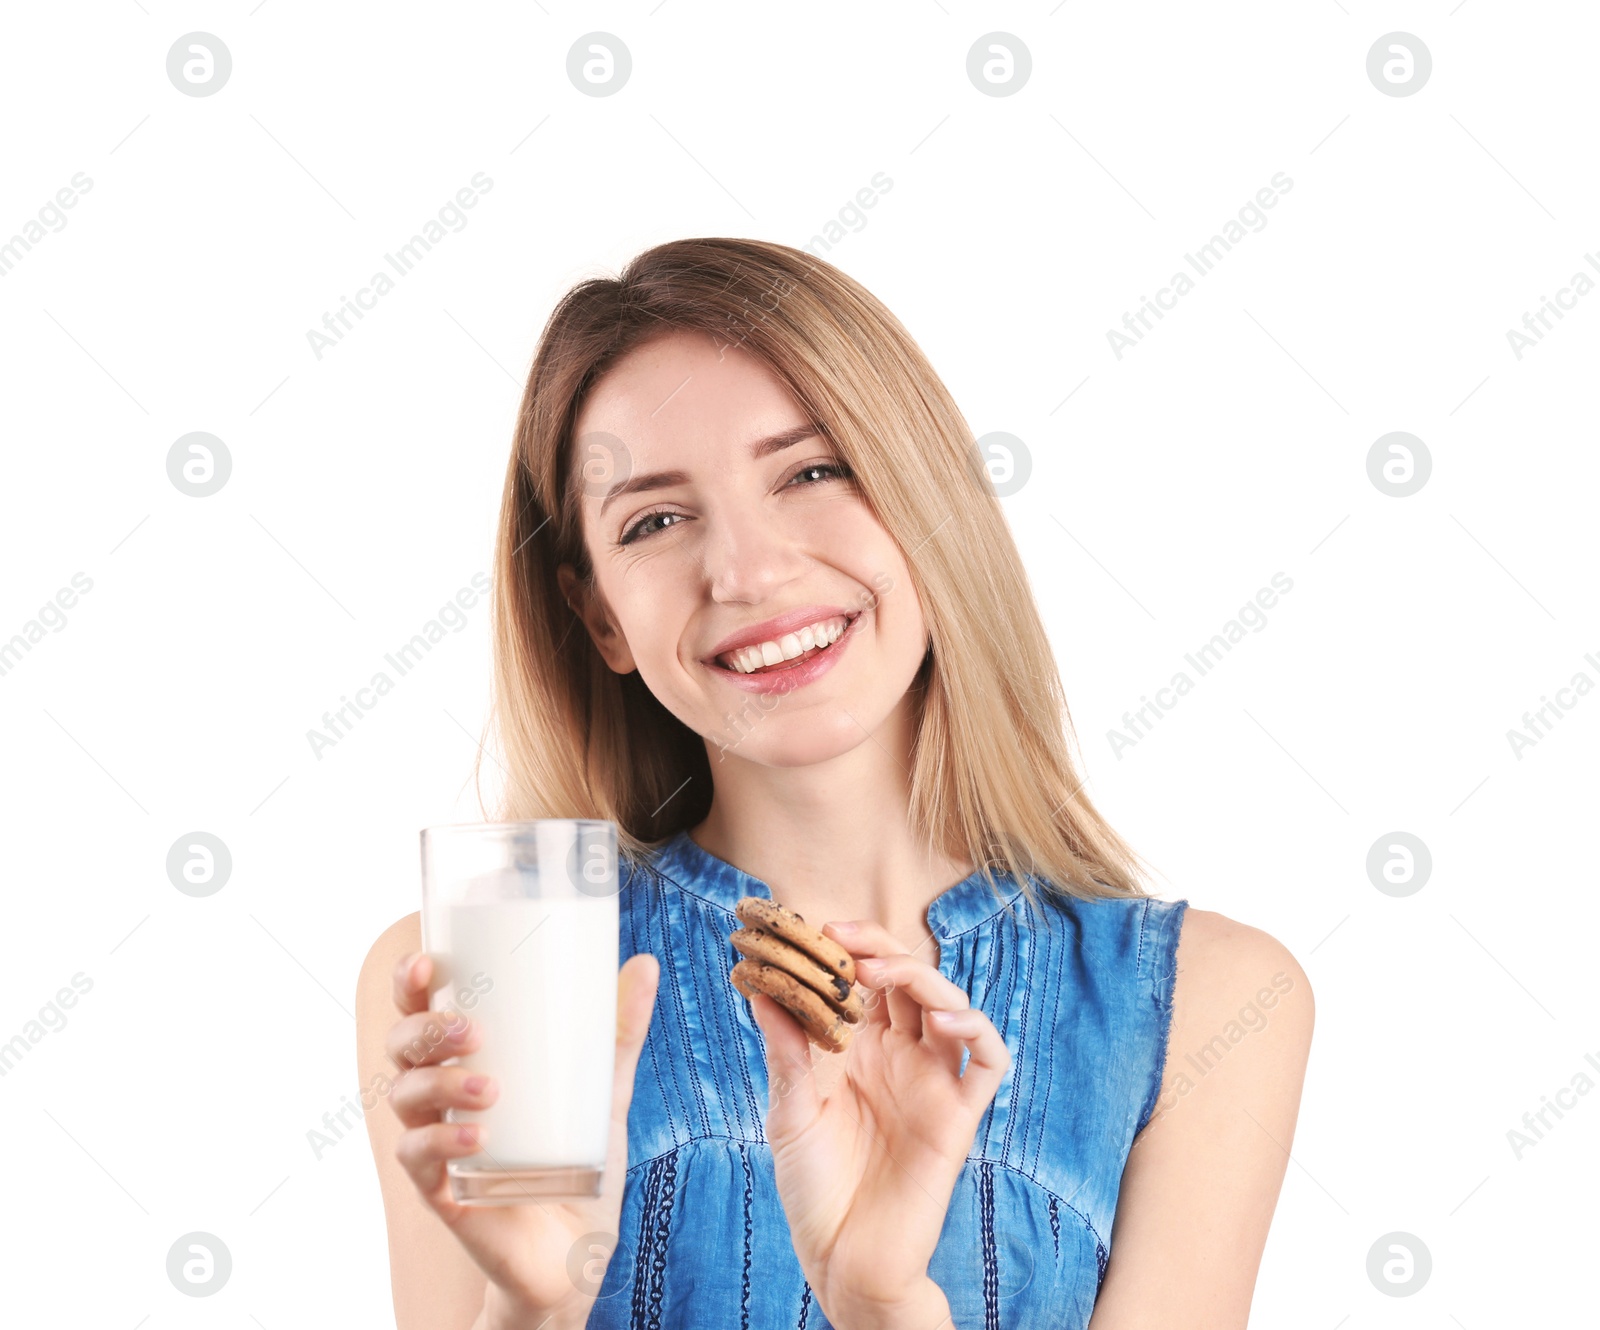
{"x":521,"y":921}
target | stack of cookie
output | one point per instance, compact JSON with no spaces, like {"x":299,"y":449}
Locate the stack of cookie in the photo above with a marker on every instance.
{"x":805,"y":972}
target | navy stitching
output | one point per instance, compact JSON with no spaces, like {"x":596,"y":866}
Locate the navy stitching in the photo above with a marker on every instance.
{"x":668,"y":965}
{"x":991,"y":1271}
{"x":1138,"y":955}
{"x":744,"y":1064}
{"x":744,"y":1294}
{"x":1019,"y":1058}
{"x":643,"y":1247}
{"x":972,"y":928}
{"x":805,"y":1305}
{"x":997,"y":964}
{"x":1055,"y":1226}
{"x":658,"y":1263}
{"x":1100,"y":1261}
{"x":1065,"y":1202}
{"x":1050,"y":1048}
{"x":687,"y":1045}
{"x":717,"y":1006}
{"x":689,"y":891}
{"x":655,"y":1034}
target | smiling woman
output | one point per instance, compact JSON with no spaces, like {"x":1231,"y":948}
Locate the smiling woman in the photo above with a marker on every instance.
{"x":793,"y":526}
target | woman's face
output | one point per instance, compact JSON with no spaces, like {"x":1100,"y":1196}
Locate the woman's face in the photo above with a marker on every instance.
{"x":709,"y":540}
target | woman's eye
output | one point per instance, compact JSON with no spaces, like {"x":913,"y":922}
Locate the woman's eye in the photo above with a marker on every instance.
{"x":646,"y":525}
{"x":643,"y":527}
{"x":836,"y":469}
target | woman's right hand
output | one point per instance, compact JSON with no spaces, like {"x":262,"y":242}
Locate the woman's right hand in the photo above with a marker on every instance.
{"x":524,"y":1250}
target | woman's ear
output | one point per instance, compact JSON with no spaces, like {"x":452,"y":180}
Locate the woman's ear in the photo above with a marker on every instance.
{"x":591,"y":608}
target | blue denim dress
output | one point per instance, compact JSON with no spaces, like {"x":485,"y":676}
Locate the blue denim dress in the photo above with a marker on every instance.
{"x":1082,"y":995}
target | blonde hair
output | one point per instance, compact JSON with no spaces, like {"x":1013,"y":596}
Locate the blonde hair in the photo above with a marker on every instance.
{"x":993,"y":779}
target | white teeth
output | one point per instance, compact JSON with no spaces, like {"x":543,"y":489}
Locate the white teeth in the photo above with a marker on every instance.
{"x":745,"y":660}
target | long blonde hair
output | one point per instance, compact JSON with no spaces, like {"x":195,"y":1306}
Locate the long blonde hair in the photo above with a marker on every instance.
{"x":993,"y":779}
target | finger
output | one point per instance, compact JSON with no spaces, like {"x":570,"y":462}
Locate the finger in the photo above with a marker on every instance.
{"x":423,"y":1152}
{"x":905,"y":1013}
{"x":410,"y":982}
{"x":866,"y":937}
{"x":990,"y":1058}
{"x":430,"y":1036}
{"x":913,"y":986}
{"x":421,"y":1094}
{"x":947,"y":1033}
{"x":637,"y":982}
{"x":792,"y":1096}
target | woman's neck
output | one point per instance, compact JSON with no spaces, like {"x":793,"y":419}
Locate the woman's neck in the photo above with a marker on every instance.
{"x":833,"y":841}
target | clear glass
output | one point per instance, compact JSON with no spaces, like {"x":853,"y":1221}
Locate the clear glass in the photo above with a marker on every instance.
{"x":521,"y":921}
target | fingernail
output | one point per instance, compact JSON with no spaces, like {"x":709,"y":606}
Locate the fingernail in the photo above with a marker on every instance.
{"x":843,"y":928}
{"x":872,"y":969}
{"x":474,"y":1084}
{"x":467,"y":1135}
{"x":941,"y":1017}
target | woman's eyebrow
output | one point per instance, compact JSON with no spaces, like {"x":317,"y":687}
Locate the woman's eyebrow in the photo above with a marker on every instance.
{"x":657,"y":480}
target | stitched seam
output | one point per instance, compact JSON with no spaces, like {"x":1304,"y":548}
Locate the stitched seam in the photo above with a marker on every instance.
{"x":717,"y":1014}
{"x":1138,"y":957}
{"x":805,"y":1305}
{"x":658,"y":1019}
{"x":1050,"y":1045}
{"x":690,"y":891}
{"x":683,"y":1025}
{"x":985,"y":921}
{"x":738,"y":1040}
{"x":1000,"y":948}
{"x":684,"y":1144}
{"x":744,"y":1065}
{"x":991,"y":1272}
{"x":655,"y":1034}
{"x":1060,"y":1200}
{"x":658,"y":1263}
{"x":1161,"y":993}
{"x":1020,"y":1060}
{"x":642,"y":1249}
{"x":744,"y":1294}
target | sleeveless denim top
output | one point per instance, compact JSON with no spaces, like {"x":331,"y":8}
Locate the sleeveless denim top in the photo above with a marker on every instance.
{"x":1083,"y":999}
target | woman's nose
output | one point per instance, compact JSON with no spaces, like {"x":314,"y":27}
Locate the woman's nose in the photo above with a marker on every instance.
{"x":748,"y":555}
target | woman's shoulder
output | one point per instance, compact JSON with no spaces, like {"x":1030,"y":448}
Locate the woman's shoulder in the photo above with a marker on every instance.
{"x":1218,"y":954}
{"x":1232,"y":979}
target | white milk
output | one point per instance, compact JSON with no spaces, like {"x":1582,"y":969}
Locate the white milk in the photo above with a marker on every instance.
{"x":544,"y":973}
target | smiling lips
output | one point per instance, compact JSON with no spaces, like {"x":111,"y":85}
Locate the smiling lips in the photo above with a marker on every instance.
{"x":804,"y":642}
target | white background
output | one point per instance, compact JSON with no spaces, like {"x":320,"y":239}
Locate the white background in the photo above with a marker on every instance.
{"x":1167,"y":486}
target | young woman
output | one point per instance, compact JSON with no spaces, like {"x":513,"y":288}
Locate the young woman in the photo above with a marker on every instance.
{"x":735,"y":443}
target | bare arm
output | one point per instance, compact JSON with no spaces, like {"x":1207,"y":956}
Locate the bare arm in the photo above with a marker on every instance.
{"x":436,"y":1285}
{"x":1203,"y":1177}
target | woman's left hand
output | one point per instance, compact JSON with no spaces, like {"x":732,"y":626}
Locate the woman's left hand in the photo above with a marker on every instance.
{"x":866,"y":1174}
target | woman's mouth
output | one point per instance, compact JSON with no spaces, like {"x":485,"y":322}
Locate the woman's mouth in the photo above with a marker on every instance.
{"x":792,"y":660}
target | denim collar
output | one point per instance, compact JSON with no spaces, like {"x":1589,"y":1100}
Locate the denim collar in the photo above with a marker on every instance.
{"x":958,"y":909}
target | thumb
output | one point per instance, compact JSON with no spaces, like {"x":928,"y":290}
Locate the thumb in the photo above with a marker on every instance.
{"x":792,"y":1097}
{"x":637,"y":982}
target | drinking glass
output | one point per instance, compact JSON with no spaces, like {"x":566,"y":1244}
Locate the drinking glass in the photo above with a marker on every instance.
{"x":521,"y":921}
